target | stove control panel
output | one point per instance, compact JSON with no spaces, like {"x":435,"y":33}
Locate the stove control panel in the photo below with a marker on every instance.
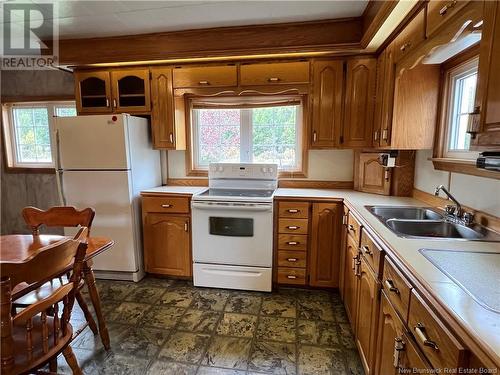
{"x":243,"y":171}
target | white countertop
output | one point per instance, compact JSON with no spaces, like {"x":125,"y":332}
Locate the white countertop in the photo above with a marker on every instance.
{"x":176,"y":189}
{"x":482,"y":323}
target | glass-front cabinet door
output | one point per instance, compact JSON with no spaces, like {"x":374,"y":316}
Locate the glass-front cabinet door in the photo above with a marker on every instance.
{"x":93,"y":92}
{"x":131,"y":91}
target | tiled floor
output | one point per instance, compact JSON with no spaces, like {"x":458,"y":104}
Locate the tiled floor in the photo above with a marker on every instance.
{"x":162,"y":326}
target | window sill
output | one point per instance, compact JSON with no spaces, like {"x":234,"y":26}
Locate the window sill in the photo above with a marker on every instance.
{"x":462,"y":166}
{"x":29,"y":170}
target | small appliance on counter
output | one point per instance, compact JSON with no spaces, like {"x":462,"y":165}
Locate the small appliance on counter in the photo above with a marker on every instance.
{"x":233,"y":227}
{"x":489,"y":160}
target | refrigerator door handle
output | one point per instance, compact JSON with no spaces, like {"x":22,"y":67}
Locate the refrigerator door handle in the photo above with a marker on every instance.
{"x":57,"y":163}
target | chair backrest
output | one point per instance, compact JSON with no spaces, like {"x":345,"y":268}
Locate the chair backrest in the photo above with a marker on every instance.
{"x":59,"y":216}
{"x":47,"y":263}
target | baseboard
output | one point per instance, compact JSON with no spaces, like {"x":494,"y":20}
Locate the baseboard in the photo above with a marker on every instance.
{"x":120,"y":276}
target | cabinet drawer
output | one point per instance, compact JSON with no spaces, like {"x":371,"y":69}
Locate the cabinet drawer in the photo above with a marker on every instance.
{"x":397,"y":288}
{"x":439,"y":12}
{"x":208,"y":76}
{"x":295,"y":276}
{"x":438,"y":344}
{"x":293,"y":226}
{"x":413,"y":359}
{"x":274,"y":73}
{"x":410,"y":37}
{"x":178,"y":205}
{"x":371,"y":252}
{"x":292,"y":242}
{"x":294,"y":209}
{"x":353,"y":228}
{"x":294,"y":259}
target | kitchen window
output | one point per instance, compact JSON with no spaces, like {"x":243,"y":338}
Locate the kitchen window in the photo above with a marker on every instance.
{"x":461,"y":81}
{"x":253,"y":130}
{"x":28,"y":132}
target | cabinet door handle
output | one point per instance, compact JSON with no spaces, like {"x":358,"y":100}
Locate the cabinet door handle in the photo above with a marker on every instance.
{"x":385,"y":134}
{"x":354,"y":262}
{"x":375,"y":135}
{"x":405,"y":46}
{"x":420,"y":331}
{"x":186,"y":226}
{"x":114,"y":103}
{"x":315,"y":136}
{"x":293,"y":243}
{"x":444,"y":9}
{"x":291,"y":277}
{"x":167,"y":205}
{"x":273,"y":79}
{"x":386,"y":174}
{"x":366,"y":250}
{"x":351,"y":228}
{"x":292,"y":227}
{"x":292,"y":259}
{"x":293,"y":211}
{"x":344,"y":219}
{"x":107,"y":102}
{"x":389,"y":284}
{"x":171,"y":137}
{"x":399,"y":346}
{"x":204,"y":83}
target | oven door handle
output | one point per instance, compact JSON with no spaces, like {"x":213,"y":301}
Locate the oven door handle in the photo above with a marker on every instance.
{"x":232,"y":206}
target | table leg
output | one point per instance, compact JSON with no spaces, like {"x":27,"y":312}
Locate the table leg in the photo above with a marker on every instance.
{"x":94,"y":296}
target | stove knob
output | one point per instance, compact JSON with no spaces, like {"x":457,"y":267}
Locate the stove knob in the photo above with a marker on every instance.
{"x":264,"y":169}
{"x":221,"y":169}
{"x":270,"y":170}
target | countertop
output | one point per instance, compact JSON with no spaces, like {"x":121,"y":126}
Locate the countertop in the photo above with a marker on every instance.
{"x":176,"y":189}
{"x":481,"y":323}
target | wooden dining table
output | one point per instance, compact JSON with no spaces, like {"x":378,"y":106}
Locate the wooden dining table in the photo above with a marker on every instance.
{"x":17,"y":248}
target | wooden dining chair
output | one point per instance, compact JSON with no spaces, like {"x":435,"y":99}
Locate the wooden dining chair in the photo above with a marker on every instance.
{"x":41,"y":331}
{"x":62,"y":216}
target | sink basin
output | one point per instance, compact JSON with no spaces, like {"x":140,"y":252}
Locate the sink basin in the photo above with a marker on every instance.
{"x":405,"y":213}
{"x":433,"y":228}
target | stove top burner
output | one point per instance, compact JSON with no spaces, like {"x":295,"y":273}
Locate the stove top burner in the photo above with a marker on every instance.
{"x":237,"y":193}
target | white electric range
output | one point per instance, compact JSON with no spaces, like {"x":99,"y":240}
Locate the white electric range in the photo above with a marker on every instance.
{"x":233,"y":227}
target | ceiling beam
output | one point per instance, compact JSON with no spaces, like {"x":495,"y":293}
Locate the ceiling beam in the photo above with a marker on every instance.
{"x":336,"y":36}
{"x":374,"y":16}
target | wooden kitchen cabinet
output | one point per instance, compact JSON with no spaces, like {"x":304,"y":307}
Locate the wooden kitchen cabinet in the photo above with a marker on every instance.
{"x":93,"y":92}
{"x":167,"y":235}
{"x":167,"y":115}
{"x":205,"y":76}
{"x":359,"y":109}
{"x":325,"y":240}
{"x":351,"y":264}
{"x":367,"y":314}
{"x":262,"y":74}
{"x":485,"y":125}
{"x":343,"y":245}
{"x":130,"y":90}
{"x":410,"y":37}
{"x":384,"y":97}
{"x":327,"y":87}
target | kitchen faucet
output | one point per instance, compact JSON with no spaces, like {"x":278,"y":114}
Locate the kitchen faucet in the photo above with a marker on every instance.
{"x":456,"y":213}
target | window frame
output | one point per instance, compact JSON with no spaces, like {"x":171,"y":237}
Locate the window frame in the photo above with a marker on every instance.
{"x":9,"y":134}
{"x":301,"y":172}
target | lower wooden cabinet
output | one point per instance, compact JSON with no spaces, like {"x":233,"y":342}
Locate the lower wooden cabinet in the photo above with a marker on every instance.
{"x":367,"y":314}
{"x":351,"y":280}
{"x":325,"y":244}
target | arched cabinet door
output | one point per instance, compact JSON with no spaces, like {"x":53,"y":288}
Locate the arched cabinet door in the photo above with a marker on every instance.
{"x":93,"y":92}
{"x":131,"y":92}
{"x":325,"y":244}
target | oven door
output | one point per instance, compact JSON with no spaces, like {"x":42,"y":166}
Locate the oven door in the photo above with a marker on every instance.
{"x":232,"y":233}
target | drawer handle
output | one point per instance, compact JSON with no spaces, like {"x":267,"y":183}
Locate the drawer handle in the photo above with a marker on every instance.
{"x":292,"y":259}
{"x":167,"y":205}
{"x":389,"y":284}
{"x":293,"y":243}
{"x":351,"y":227}
{"x":292,"y":227}
{"x":366,"y":250}
{"x":273,"y":79}
{"x":204,"y":83}
{"x":293,"y":211}
{"x":291,"y":277}
{"x":444,"y":9}
{"x":405,"y":46}
{"x":420,"y":331}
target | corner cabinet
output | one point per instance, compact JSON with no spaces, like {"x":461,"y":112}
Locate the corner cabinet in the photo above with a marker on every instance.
{"x":361,"y":77}
{"x":325,"y":244}
{"x":167,"y":235}
{"x":327,"y":86}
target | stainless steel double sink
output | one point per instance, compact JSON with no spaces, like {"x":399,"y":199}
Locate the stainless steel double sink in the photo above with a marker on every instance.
{"x":429,"y":223}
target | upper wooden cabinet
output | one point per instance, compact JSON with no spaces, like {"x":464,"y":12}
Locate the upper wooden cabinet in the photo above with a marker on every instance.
{"x":130,"y":89}
{"x":486,"y":128}
{"x":410,"y":37}
{"x":167,"y":115}
{"x":118,"y":91}
{"x":359,"y":102}
{"x":384,"y":97}
{"x":205,"y":76}
{"x":274,"y":73}
{"x":327,"y":84}
{"x":441,"y":11}
{"x":93,"y":92}
{"x":325,"y":241}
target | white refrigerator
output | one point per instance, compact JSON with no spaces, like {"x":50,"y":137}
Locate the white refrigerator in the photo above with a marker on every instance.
{"x":104,"y":162}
